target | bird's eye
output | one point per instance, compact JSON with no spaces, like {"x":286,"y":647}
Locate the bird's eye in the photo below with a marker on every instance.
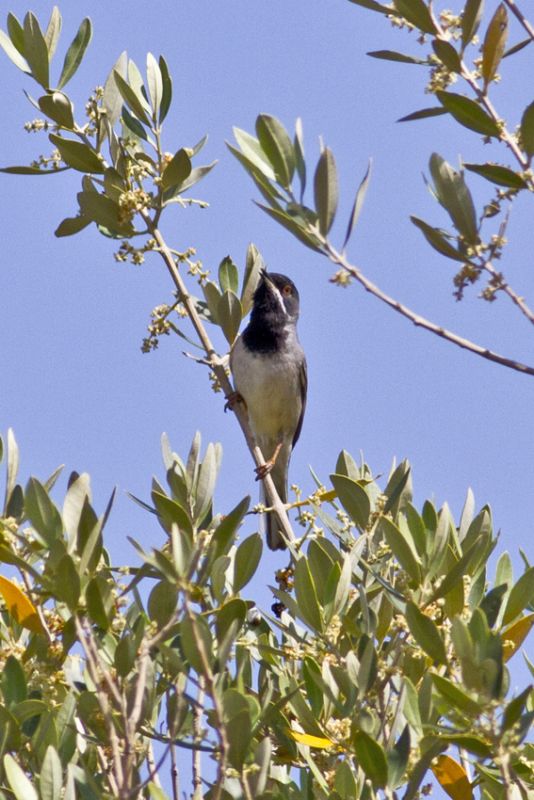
{"x":287,"y":290}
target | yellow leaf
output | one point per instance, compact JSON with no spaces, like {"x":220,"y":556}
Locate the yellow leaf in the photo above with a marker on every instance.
{"x":328,"y":496}
{"x":309,"y":740}
{"x":452,"y":777}
{"x":20,"y":606}
{"x":514,"y":636}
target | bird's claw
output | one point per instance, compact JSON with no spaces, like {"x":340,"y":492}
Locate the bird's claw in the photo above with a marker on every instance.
{"x":263,"y":469}
{"x":231,"y":401}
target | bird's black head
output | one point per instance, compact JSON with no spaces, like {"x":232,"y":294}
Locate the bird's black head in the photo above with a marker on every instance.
{"x":275,"y":308}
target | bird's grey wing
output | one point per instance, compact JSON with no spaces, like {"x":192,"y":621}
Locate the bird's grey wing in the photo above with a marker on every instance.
{"x":303,"y":385}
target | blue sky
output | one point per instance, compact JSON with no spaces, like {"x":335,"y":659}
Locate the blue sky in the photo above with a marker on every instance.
{"x":76,"y":387}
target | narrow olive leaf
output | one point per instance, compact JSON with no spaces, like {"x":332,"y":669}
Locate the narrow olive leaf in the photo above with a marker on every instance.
{"x":402,"y":548}
{"x":447,"y":55}
{"x":517,"y":47}
{"x":306,"y":595}
{"x":78,"y":155}
{"x":426,"y":633}
{"x":228,"y":275}
{"x":371,"y":758}
{"x":133,"y":125}
{"x":51,"y":775}
{"x":16,"y":32}
{"x":277,"y":146}
{"x":416,"y":12}
{"x":456,"y":696}
{"x":353,"y":498}
{"x":358,"y":204}
{"x":453,"y":194}
{"x":521,"y":595}
{"x":229,"y":315}
{"x":398,"y":758}
{"x":468,"y":113}
{"x":112,"y":98}
{"x":58,"y":107}
{"x":252,"y":151}
{"x":12,"y":53}
{"x":293,"y":226}
{"x":527,"y":130}
{"x":196,"y":175}
{"x":72,"y":225}
{"x":19,"y":783}
{"x":35,"y":50}
{"x":424,"y":113}
{"x":104,"y":212}
{"x":31,"y":170}
{"x":53,"y":31}
{"x":326,"y":190}
{"x":300,"y":163}
{"x":392,"y":55}
{"x":177,"y":170}
{"x":130,"y":98}
{"x":76,"y":52}
{"x":246,"y":561}
{"x":502,"y":176}
{"x":254,"y":265}
{"x":437,"y":239}
{"x":371,"y":5}
{"x":494,"y":44}
{"x":166,"y":89}
{"x":471,"y":20}
{"x":212,"y":294}
{"x":154,"y":81}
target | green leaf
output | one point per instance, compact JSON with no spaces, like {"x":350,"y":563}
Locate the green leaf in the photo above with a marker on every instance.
{"x":97,"y":597}
{"x":125,"y":655}
{"x":494,"y":44}
{"x":471,"y":20}
{"x":31,"y":170}
{"x":371,"y":758}
{"x":398,"y":758}
{"x":16,"y":32}
{"x":196,"y":175}
{"x":424,"y":113}
{"x":371,"y":5}
{"x":71,"y":226}
{"x":517,"y":47}
{"x":42,"y":513}
{"x":254,"y":265}
{"x":295,"y":227}
{"x":228,"y":275}
{"x":20,"y":784}
{"x":192,"y":632}
{"x":277,"y":146}
{"x":229,"y":315}
{"x":399,"y":490}
{"x":426,"y":633}
{"x":502,"y":176}
{"x":133,"y":124}
{"x":416,"y":13}
{"x":177,"y":170}
{"x":326,"y":190}
{"x":112,"y":98}
{"x":53,"y":31}
{"x":51,"y":775}
{"x":246,"y":561}
{"x":58,"y":107}
{"x":35,"y":50}
{"x":103,"y":211}
{"x":392,"y":55}
{"x":456,"y":696}
{"x":154,"y":81}
{"x":527,"y":130}
{"x":402,"y":548}
{"x":300,"y":163}
{"x":437,"y":239}
{"x":166,"y":89}
{"x":132,"y":100}
{"x":229,"y":525}
{"x":455,"y":197}
{"x":253,"y":157}
{"x":447,"y":55}
{"x":76,"y":51}
{"x":358,"y":204}
{"x":78,"y":155}
{"x":306,"y":596}
{"x":13,"y":682}
{"x":162,"y":602}
{"x":468,"y":113}
{"x":353,"y":498}
{"x":12,"y":52}
{"x":212,"y":295}
{"x":68,"y":582}
{"x":521,"y":595}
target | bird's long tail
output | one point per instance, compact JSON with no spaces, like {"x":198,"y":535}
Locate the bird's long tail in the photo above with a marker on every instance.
{"x":275,"y":540}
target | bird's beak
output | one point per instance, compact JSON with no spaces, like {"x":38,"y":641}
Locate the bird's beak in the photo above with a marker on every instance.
{"x":264,"y":276}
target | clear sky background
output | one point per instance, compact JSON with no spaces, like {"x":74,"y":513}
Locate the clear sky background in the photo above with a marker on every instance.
{"x":76,"y":387}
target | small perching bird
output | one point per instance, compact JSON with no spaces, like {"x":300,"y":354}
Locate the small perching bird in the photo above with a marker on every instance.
{"x":270,"y":375}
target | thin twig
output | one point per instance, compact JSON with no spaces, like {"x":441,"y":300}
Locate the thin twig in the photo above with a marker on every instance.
{"x":519,"y":16}
{"x":422,"y":322}
{"x":175,"y":775}
{"x":197,"y":734}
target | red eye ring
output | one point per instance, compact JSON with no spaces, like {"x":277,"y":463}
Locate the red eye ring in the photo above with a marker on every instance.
{"x":287,"y":290}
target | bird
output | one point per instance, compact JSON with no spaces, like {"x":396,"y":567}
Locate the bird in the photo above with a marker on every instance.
{"x":270,"y":376}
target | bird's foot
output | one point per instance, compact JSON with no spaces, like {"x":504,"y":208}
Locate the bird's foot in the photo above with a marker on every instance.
{"x":232,"y":399}
{"x":263,"y":470}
